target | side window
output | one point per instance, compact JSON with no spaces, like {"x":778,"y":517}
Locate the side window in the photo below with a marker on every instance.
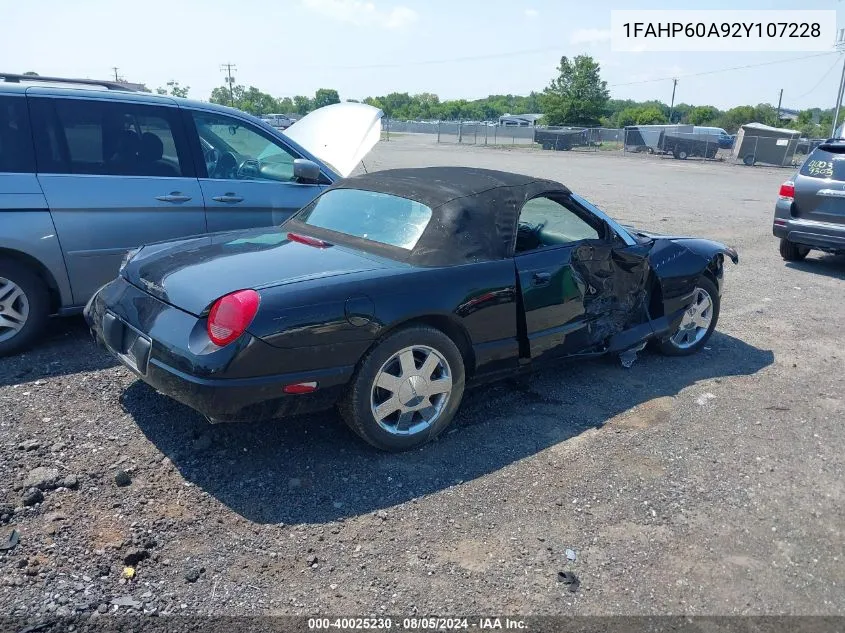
{"x":16,"y":155}
{"x":235,"y":151}
{"x":76,"y":136}
{"x":547,"y":222}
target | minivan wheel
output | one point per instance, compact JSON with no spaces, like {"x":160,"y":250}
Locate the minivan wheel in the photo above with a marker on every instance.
{"x":24,"y":306}
{"x":698,"y":323}
{"x":406,"y":390}
{"x":792,"y":252}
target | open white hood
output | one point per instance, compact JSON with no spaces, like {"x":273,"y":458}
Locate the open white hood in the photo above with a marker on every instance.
{"x":340,"y":134}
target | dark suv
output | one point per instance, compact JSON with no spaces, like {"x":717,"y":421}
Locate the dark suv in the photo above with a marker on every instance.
{"x":810,"y":211}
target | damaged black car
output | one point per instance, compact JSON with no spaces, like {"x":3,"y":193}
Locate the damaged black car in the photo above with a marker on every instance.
{"x":393,"y":291}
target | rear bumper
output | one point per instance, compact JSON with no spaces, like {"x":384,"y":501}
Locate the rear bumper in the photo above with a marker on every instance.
{"x":820,"y":235}
{"x":154,"y":341}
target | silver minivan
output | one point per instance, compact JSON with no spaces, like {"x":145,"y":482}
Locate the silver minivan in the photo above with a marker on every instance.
{"x":91,"y":170}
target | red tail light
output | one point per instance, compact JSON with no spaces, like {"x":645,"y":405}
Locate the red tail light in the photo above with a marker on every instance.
{"x":231,"y":315}
{"x":787,"y":191}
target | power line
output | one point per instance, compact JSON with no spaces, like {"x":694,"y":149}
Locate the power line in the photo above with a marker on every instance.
{"x":813,"y":89}
{"x":724,"y":70}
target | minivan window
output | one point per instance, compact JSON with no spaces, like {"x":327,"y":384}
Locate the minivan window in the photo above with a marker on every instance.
{"x":823,"y":163}
{"x":16,"y":155}
{"x":77,"y":136}
{"x":234,"y":150}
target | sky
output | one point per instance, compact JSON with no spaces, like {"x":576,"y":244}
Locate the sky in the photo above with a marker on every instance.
{"x":453,"y":48}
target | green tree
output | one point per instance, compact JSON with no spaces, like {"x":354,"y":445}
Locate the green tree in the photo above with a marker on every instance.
{"x":174,"y":89}
{"x":703,"y":115}
{"x":641,"y":115}
{"x":30,"y":73}
{"x":285,"y":105}
{"x":302,"y":104}
{"x":324,"y":97}
{"x":578,"y":96}
{"x":733,"y":118}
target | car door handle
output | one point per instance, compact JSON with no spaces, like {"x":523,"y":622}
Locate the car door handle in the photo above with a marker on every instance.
{"x":229,"y":198}
{"x":541,"y":279}
{"x":173,"y":196}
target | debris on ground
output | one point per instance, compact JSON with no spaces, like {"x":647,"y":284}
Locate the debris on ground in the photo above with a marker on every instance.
{"x":569,"y":579}
{"x":42,"y":478}
{"x":193,"y":574}
{"x":122,"y":478}
{"x":129,"y":573}
{"x":32,"y":496}
{"x":570,"y":554}
{"x":11,"y":541}
{"x":628,"y":357}
{"x":127,"y":601}
{"x":135,"y":556}
{"x":704,"y":398}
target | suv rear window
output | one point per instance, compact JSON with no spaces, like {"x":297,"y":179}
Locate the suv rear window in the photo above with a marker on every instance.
{"x":825,"y":163}
{"x":16,"y":155}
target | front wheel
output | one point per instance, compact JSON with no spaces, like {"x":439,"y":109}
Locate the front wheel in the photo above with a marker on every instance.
{"x":406,"y":390}
{"x":698,"y":323}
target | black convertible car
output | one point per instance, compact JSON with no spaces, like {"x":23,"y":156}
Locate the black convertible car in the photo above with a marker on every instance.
{"x":394,"y":290}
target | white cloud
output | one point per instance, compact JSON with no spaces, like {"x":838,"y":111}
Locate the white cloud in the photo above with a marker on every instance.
{"x":590,"y":36}
{"x":531,"y":13}
{"x":362,"y":13}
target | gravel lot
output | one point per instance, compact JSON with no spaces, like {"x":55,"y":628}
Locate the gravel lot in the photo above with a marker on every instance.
{"x":711,"y":485}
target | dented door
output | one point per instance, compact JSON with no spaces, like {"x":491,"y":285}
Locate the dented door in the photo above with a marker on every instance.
{"x":575,"y":297}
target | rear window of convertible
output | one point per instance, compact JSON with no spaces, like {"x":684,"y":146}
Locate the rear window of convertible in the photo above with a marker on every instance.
{"x":370,"y":215}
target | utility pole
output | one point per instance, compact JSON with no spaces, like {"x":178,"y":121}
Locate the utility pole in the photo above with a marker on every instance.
{"x":114,"y":68}
{"x":780,"y":100}
{"x":840,"y":45}
{"x":672,"y":106}
{"x":230,"y":80}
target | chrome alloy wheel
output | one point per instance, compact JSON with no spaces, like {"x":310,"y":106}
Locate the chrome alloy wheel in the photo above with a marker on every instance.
{"x":411,"y":390}
{"x":14,"y":309}
{"x":696,"y":321}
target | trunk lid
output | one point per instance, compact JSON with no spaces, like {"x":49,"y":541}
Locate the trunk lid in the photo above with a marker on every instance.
{"x":193,"y":273}
{"x":341,"y":134}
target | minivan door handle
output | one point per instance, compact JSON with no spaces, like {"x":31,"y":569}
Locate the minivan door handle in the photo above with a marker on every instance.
{"x":173,"y":196}
{"x":229,"y":198}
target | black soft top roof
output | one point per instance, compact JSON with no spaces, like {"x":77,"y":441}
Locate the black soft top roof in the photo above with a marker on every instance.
{"x":474,"y":211}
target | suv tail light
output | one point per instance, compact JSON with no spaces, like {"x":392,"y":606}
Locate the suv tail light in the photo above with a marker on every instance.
{"x":787,"y":191}
{"x":231,"y":315}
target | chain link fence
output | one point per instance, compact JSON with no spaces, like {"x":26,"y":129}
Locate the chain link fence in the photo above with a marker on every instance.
{"x":747,"y":150}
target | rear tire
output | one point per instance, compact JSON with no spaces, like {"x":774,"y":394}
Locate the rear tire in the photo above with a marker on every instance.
{"x":749,"y":160}
{"x":24,"y":306}
{"x":792,"y":252}
{"x":691,"y":335}
{"x":406,"y":374}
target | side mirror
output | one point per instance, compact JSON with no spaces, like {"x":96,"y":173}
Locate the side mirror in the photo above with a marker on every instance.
{"x":306,"y":171}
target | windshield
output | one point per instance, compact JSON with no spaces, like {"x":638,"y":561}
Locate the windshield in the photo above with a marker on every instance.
{"x":369,"y":215}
